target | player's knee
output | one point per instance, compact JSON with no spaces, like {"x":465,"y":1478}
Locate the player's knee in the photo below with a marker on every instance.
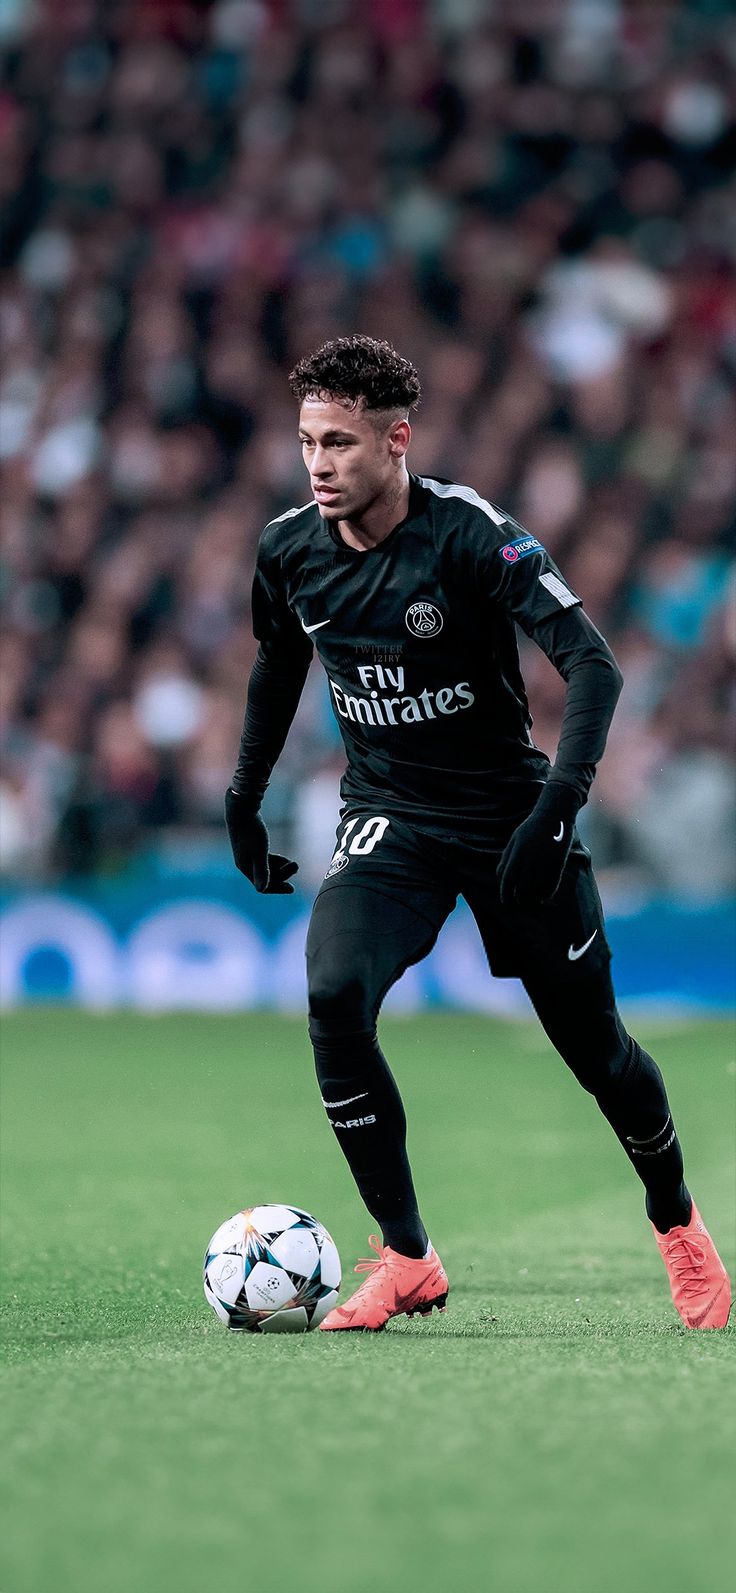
{"x":340,"y":997}
{"x":628,"y":1064}
{"x":602,"y":1055}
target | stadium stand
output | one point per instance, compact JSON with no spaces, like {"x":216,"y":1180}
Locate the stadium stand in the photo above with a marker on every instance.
{"x":535,"y":203}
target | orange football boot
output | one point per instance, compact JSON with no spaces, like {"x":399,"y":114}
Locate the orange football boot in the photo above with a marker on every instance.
{"x":396,"y":1286}
{"x":698,"y":1279}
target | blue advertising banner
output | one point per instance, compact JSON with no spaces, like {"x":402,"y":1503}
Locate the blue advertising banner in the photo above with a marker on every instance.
{"x":206,"y":941}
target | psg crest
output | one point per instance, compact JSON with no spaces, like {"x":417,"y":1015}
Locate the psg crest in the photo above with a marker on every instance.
{"x":424,"y":619}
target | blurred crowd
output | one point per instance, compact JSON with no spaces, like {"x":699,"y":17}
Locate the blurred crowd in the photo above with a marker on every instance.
{"x":535,"y":202}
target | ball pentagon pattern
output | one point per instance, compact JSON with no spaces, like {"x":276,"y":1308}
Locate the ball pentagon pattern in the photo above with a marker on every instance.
{"x":271,"y":1269}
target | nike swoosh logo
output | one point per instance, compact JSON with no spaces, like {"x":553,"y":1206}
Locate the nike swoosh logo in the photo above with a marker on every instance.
{"x":317,"y":627}
{"x":695,"y":1321}
{"x":561,"y":835}
{"x":573,"y":954}
{"x":350,"y":1098}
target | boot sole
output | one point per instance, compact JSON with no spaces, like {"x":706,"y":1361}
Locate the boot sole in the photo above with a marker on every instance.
{"x":438,"y":1304}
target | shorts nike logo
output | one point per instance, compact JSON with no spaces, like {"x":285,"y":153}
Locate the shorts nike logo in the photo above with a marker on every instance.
{"x":561,"y":835}
{"x":330,"y":1104}
{"x":574,"y":953}
{"x":317,"y":627}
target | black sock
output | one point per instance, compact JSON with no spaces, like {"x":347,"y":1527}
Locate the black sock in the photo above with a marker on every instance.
{"x":635,"y":1103}
{"x":364,"y":1106}
{"x":674,"y":1212}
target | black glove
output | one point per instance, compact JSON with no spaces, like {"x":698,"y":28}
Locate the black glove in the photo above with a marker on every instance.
{"x":533,"y":863}
{"x":249,"y":840}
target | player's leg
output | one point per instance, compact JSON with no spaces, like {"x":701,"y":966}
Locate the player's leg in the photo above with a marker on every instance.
{"x":378,"y":912}
{"x":584,"y":1025}
{"x":581,"y":1018}
{"x":359,"y":944}
{"x":561,"y":953}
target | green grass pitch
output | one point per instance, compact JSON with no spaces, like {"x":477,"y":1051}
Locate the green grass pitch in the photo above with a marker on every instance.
{"x":557,"y":1429}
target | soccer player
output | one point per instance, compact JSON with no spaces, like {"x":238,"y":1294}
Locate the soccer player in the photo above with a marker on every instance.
{"x":409,"y":588}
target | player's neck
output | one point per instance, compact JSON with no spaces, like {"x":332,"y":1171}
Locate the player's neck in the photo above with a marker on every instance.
{"x":367,"y":530}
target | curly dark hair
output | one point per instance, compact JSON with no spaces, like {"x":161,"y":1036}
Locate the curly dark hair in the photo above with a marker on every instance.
{"x":355,"y":368}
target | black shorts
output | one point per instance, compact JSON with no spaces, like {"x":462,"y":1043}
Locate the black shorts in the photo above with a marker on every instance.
{"x":390,"y":887}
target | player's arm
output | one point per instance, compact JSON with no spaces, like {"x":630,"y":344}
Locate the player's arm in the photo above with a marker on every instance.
{"x":531,"y":868}
{"x":531,"y":588}
{"x":275,"y":687}
{"x":585,"y":661}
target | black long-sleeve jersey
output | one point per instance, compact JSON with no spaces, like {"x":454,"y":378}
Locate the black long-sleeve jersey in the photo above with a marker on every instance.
{"x":418,"y":642}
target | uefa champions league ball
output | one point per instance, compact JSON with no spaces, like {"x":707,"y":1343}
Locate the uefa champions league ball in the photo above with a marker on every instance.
{"x":271,"y":1269}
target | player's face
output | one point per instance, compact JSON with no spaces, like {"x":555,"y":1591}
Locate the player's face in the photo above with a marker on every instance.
{"x":352,"y":458}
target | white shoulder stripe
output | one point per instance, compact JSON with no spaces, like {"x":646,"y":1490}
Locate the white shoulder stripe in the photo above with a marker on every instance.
{"x":289,"y":512}
{"x":558,"y":589}
{"x":452,"y":489}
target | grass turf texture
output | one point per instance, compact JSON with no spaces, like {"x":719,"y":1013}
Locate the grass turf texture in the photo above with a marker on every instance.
{"x":558,"y":1428}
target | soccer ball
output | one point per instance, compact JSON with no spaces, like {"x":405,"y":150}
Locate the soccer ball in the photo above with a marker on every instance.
{"x":271,"y":1269}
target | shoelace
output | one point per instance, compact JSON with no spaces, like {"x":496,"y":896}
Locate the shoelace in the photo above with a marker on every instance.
{"x":687,"y":1257}
{"x":365,"y":1264}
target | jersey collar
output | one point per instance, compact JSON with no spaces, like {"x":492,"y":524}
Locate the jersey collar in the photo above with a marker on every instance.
{"x":416,"y":496}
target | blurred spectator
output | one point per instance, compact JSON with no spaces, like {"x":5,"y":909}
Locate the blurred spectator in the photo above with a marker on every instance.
{"x":535,"y":202}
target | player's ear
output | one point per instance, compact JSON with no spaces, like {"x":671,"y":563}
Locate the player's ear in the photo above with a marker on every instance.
{"x":399,"y":438}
